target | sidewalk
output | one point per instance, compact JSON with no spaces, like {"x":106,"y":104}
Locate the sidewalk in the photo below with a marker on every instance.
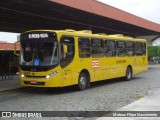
{"x":9,"y":84}
{"x":150,"y":103}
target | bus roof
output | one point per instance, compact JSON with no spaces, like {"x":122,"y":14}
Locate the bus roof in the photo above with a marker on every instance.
{"x":88,"y":33}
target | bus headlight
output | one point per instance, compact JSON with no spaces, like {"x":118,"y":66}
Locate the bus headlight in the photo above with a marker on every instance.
{"x":22,"y":75}
{"x":52,"y":75}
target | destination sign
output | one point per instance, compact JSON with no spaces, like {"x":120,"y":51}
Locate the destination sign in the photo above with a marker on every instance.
{"x":42,"y":35}
{"x":37,"y":35}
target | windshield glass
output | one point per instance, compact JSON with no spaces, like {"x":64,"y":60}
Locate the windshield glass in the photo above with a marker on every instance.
{"x":39,"y":52}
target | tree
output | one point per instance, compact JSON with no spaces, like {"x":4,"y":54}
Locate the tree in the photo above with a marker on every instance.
{"x":158,"y":51}
{"x":152,"y":51}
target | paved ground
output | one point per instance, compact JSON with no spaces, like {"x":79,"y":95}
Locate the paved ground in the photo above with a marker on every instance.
{"x":147,"y":108}
{"x":9,"y":83}
{"x":102,"y":96}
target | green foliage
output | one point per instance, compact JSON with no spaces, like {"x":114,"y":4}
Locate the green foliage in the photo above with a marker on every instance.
{"x":153,"y":51}
{"x":158,"y":51}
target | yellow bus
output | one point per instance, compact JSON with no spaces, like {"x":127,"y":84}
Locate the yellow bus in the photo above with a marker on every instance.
{"x":58,"y":58}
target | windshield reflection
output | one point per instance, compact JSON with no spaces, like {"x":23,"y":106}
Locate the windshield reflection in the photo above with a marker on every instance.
{"x":39,"y":53}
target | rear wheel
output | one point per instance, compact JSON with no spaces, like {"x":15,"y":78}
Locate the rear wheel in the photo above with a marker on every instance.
{"x":82,"y":81}
{"x":128,"y":74}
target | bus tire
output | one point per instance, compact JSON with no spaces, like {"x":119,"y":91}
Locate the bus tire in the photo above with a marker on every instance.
{"x":128,"y":73}
{"x":82,"y":81}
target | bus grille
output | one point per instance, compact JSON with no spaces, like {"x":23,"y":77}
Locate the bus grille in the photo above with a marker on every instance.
{"x":36,"y":76}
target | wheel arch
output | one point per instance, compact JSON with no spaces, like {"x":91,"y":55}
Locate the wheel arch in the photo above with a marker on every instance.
{"x":130,"y":67}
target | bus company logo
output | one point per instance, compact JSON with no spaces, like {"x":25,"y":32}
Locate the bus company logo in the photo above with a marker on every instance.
{"x":95,"y":63}
{"x":44,"y":35}
{"x":6,"y":114}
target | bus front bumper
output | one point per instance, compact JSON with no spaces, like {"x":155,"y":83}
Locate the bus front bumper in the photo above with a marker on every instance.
{"x":35,"y":82}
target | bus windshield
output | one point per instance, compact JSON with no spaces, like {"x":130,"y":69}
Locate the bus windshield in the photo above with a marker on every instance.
{"x":41,"y":52}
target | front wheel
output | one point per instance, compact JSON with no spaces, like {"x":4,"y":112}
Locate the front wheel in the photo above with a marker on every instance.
{"x":128,"y":74}
{"x":82,"y":81}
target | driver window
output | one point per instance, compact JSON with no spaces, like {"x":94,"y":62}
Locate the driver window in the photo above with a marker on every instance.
{"x":67,"y":51}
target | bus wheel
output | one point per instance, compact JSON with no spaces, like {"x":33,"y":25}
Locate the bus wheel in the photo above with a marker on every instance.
{"x":82,"y":82}
{"x":128,"y":73}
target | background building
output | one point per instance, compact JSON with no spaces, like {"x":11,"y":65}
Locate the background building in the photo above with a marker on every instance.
{"x":9,"y":63}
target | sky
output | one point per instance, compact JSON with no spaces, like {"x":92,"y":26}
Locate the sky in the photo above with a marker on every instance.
{"x":147,"y":9}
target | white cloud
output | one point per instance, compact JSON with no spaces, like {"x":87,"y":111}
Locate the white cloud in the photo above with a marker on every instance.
{"x":147,"y":9}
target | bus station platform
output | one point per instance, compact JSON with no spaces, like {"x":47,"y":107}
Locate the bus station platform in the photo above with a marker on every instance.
{"x":9,"y":82}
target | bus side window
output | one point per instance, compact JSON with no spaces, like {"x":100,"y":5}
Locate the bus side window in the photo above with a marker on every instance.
{"x":67,"y":51}
{"x":110,"y":48}
{"x":139,"y":48}
{"x":84,"y":47}
{"x":121,"y":48}
{"x":130,"y":48}
{"x":97,"y":49}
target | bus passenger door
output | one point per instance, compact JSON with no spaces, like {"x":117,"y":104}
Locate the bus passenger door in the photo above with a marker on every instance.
{"x":67,"y":51}
{"x":67,"y":77}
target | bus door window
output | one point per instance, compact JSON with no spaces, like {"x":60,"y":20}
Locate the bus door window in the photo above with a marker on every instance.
{"x":67,"y":50}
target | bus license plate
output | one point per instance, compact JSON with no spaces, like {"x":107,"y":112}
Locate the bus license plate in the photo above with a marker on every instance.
{"x":33,"y":82}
